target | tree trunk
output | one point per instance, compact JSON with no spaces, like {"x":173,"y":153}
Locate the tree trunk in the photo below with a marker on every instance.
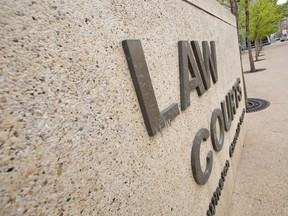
{"x":256,"y":49}
{"x":252,"y":66}
{"x":234,"y":10}
{"x":261,"y":44}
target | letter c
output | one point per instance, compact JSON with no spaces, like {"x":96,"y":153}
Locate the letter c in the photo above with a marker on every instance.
{"x":200,"y":176}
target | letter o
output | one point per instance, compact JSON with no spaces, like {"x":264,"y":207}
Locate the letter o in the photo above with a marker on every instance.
{"x":217,"y":144}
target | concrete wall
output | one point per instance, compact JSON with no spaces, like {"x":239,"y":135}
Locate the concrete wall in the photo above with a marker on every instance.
{"x":73,"y":140}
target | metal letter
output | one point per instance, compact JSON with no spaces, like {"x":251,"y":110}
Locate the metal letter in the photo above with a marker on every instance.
{"x":232,"y":103}
{"x":225,"y":106}
{"x":200,"y":62}
{"x":218,"y":191}
{"x":210,"y":60}
{"x":209,"y":213}
{"x":212,"y":208}
{"x":213,"y":52}
{"x":217,"y":144}
{"x":239,"y":89}
{"x":234,"y":87}
{"x":187,"y":64}
{"x":153,"y":118}
{"x":199,"y":176}
{"x":221,"y":184}
{"x":216,"y":195}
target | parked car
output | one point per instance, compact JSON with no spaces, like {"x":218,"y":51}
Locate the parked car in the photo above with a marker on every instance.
{"x":265,"y":41}
{"x":283,"y":38}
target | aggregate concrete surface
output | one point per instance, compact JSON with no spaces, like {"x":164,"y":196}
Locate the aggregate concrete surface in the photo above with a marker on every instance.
{"x":72,"y":136}
{"x":261,"y":184}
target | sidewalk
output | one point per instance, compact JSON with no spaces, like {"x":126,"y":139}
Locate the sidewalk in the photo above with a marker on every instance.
{"x":261,"y":187}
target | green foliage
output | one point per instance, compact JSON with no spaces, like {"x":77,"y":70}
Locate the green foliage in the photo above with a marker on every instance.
{"x":282,"y":9}
{"x":242,"y":19}
{"x":264,"y":16}
{"x":263,"y":19}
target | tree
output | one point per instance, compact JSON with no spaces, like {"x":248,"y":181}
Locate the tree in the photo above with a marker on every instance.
{"x":252,"y":65}
{"x":233,"y":4}
{"x":263,"y":20}
{"x":283,"y":10}
{"x":234,"y":11}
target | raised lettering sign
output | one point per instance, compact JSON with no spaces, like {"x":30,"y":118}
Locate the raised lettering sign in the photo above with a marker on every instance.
{"x":153,"y":118}
{"x":196,"y":70}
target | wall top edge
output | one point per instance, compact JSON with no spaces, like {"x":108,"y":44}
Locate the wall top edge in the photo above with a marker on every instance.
{"x":215,"y":9}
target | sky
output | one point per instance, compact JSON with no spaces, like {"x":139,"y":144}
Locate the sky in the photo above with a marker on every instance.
{"x":281,"y":1}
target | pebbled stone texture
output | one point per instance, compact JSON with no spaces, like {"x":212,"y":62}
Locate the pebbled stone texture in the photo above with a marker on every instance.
{"x":73,"y":140}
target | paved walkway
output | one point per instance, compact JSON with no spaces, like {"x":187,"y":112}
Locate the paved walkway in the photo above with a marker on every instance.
{"x":261,"y":187}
